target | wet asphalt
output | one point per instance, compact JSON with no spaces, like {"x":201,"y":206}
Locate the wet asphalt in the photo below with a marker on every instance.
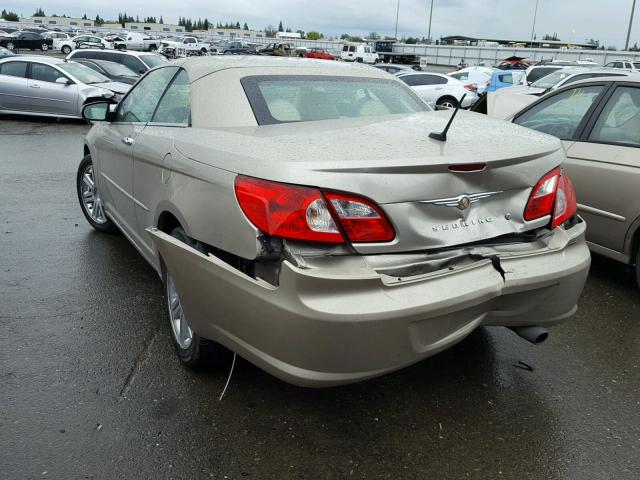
{"x":90,"y":387}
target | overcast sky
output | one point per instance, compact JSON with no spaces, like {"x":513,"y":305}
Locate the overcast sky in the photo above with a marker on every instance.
{"x":604,"y":20}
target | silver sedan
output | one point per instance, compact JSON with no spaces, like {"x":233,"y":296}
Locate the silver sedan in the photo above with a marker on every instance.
{"x":300,"y":214}
{"x":46,"y":86}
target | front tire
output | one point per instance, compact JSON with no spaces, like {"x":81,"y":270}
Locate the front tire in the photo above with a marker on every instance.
{"x":11,"y":46}
{"x":192,"y":349}
{"x":44,"y":47}
{"x":90,"y":200}
{"x":66,"y":49}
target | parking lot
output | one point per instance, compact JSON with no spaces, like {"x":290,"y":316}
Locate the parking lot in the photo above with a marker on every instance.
{"x":92,"y":389}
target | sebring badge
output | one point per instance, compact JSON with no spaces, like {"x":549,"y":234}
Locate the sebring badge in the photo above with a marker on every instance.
{"x":462,"y":224}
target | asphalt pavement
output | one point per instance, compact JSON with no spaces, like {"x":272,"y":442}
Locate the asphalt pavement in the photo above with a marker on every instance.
{"x":90,"y":387}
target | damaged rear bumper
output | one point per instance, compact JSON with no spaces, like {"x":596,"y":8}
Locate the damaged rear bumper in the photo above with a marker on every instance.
{"x":324,"y":327}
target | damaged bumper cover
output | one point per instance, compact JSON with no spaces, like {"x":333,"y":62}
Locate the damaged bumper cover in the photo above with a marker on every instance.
{"x":336,"y":325}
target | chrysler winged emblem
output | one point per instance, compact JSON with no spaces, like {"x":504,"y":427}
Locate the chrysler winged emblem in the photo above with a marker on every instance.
{"x":461,"y":201}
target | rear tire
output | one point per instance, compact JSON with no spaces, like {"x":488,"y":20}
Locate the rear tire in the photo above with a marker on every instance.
{"x":44,"y":47}
{"x":66,"y":49}
{"x":191,"y":348}
{"x":11,"y":46}
{"x":89,"y":197}
{"x":448,"y":102}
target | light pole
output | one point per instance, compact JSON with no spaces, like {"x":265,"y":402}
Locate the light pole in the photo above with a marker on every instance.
{"x":397,"y":13}
{"x":430,"y":17}
{"x":535,"y":15}
{"x":633,"y":10}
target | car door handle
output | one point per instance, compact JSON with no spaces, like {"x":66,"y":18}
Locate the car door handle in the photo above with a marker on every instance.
{"x":127,"y":140}
{"x":34,"y":85}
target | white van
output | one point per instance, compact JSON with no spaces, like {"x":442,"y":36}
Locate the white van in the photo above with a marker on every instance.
{"x":359,"y":53}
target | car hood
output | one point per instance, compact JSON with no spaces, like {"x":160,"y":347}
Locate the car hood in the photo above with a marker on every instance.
{"x":393,"y":161}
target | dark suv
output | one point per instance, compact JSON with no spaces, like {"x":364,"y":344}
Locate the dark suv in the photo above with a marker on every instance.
{"x":139,"y":62}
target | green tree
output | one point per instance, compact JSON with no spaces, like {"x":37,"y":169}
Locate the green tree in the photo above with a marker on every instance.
{"x":99,"y":21}
{"x":374,"y":36}
{"x":345,"y":36}
{"x":270,"y":31}
{"x":161,"y":21}
{"x":280,"y":27}
{"x":314,"y":35}
{"x":301,"y":32}
{"x":39,"y":13}
{"x":245,"y":26}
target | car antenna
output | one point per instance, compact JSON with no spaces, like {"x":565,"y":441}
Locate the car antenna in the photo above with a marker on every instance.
{"x":442,"y":136}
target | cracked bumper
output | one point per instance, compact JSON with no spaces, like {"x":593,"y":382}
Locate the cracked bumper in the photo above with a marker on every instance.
{"x":321,"y":328}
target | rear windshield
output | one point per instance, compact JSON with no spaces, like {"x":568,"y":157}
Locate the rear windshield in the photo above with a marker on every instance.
{"x":307,"y":98}
{"x":551,"y":80}
{"x":153,"y":60}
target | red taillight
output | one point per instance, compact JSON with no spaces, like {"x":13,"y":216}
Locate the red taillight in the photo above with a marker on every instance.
{"x":361,"y":219}
{"x":553,"y":195}
{"x":302,"y":213}
{"x":471,"y":87}
{"x":566,"y":203}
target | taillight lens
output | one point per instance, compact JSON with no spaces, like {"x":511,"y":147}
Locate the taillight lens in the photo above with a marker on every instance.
{"x":553,"y":195}
{"x":471,"y":87}
{"x":302,"y":213}
{"x":566,"y":203}
{"x":361,"y":220}
{"x":543,"y":196}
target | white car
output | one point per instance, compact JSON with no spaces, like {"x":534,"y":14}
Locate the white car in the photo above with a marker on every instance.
{"x":83,"y":41}
{"x":625,"y":65}
{"x":439,"y":90}
{"x":478,"y":77}
{"x":57,"y":37}
{"x":137,"y":41}
{"x":560,"y":78}
{"x":359,"y":53}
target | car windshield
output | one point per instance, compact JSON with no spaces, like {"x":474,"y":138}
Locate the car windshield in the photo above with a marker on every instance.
{"x":551,"y":80}
{"x":83,"y":73}
{"x":305,"y":98}
{"x":153,"y":60}
{"x":636,"y":64}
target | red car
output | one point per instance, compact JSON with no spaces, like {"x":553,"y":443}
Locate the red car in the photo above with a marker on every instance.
{"x":319,"y":53}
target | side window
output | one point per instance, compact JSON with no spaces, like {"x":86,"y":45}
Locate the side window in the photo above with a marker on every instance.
{"x":619,"y":122}
{"x":133,"y":63}
{"x":79,"y":54}
{"x":560,"y":115}
{"x":44,"y":73}
{"x":14,"y":69}
{"x":352,"y":48}
{"x":175,"y":105}
{"x":139,"y":104}
{"x":506,"y":78}
{"x":610,"y":65}
{"x":411,"y":80}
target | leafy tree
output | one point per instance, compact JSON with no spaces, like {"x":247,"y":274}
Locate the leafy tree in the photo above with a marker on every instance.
{"x":314,"y":35}
{"x":411,"y":41}
{"x":595,"y":43}
{"x":10,"y":16}
{"x":84,"y":17}
{"x":280,"y":27}
{"x":552,"y":38}
{"x":99,"y":21}
{"x":161,"y":21}
{"x":345,"y":36}
{"x":245,"y":26}
{"x":39,"y":13}
{"x":270,"y":31}
{"x":301,"y":32}
{"x":374,"y":36}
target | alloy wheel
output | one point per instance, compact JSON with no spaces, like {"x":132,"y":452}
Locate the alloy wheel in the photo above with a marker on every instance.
{"x":45,"y":47}
{"x":10,"y":46}
{"x":91,"y":200}
{"x":179,"y":326}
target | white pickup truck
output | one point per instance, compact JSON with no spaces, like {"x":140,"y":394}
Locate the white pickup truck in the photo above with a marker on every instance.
{"x":183,"y":47}
{"x":136,"y":41}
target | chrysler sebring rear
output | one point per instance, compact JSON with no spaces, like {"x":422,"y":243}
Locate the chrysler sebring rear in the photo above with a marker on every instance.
{"x":299,"y":214}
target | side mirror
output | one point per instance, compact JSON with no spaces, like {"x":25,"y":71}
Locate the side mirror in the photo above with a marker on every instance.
{"x":63,"y":81}
{"x":96,"y":112}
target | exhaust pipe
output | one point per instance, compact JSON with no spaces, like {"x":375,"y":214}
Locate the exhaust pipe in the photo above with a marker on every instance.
{"x":533,"y":335}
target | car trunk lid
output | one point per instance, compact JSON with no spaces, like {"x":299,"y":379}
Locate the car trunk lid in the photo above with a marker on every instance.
{"x":392,"y":161}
